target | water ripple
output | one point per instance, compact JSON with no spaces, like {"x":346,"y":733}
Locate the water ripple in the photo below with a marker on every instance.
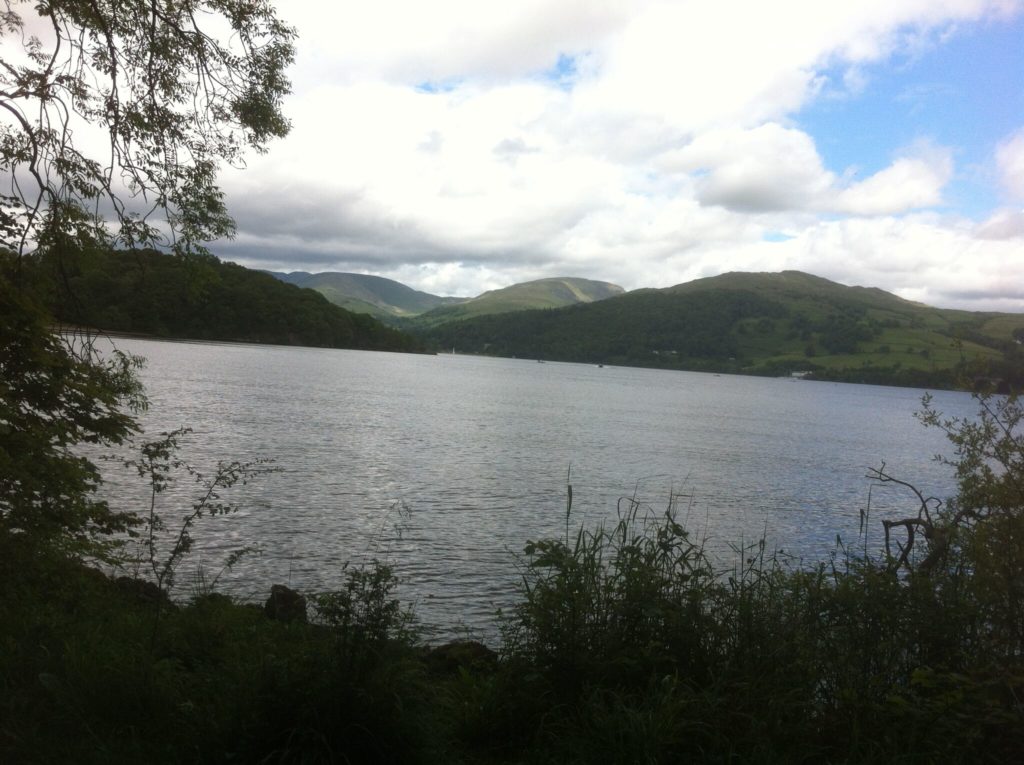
{"x":477,"y":451}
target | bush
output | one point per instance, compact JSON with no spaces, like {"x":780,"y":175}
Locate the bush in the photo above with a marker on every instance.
{"x":364,"y":616}
{"x":632,"y":644}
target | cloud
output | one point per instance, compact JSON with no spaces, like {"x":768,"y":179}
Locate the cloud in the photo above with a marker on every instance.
{"x":1003,"y":224}
{"x":510,"y":149}
{"x":772,"y":168}
{"x":448,"y":40}
{"x":768,"y":168}
{"x":909,"y":183}
{"x":1010,"y":164}
{"x":920,"y":257}
{"x":462,"y":146}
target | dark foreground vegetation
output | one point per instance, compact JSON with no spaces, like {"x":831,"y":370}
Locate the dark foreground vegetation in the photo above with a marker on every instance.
{"x":627,"y":644}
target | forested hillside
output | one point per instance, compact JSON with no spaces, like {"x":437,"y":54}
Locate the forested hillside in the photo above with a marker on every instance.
{"x":628,"y":329}
{"x":759,"y":324}
{"x":200,"y":298}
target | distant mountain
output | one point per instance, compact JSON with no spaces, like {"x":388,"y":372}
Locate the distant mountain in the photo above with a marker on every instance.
{"x":555,"y":292}
{"x":389,"y":300}
{"x":767,"y":323}
{"x":362,"y":293}
{"x":202,"y":298}
{"x":295,"y":277}
{"x":799,"y":287}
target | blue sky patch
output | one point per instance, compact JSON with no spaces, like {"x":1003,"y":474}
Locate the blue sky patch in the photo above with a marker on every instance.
{"x":563,"y":73}
{"x":441,"y":86}
{"x":936,"y":96}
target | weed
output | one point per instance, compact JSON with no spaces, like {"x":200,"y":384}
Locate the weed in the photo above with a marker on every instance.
{"x":157,"y":464}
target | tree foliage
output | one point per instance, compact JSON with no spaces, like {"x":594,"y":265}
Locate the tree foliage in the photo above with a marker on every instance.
{"x":166,"y":91}
{"x":980,"y":532}
{"x":652,"y":328}
{"x":115,"y":116}
{"x":764,"y":324}
{"x":55,"y":394}
{"x":200,"y":298}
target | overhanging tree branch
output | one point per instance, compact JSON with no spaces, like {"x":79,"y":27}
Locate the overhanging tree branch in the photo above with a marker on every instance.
{"x":176,"y":88}
{"x":179,"y":89}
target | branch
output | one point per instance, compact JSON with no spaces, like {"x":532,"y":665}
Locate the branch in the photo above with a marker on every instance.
{"x":923,"y":521}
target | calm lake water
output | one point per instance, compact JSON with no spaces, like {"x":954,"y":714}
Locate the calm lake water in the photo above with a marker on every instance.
{"x":477,"y":451}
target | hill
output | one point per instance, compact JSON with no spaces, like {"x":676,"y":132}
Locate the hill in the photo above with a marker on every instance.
{"x":363,"y":293}
{"x":555,"y":292}
{"x":769,"y":323}
{"x":202,"y":298}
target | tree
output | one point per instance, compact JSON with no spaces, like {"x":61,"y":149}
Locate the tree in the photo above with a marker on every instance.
{"x":115,"y":116}
{"x":174,"y":89}
{"x":50,"y":401}
{"x":972,"y":546}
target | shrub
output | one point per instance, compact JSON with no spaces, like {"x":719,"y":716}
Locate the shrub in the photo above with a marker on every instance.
{"x":632,"y":644}
{"x":364,"y":616}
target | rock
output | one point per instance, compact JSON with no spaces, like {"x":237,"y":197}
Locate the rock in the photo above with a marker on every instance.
{"x":285,"y":605}
{"x":461,"y":654}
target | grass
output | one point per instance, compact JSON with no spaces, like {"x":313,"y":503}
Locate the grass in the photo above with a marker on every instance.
{"x":1003,"y":325}
{"x":627,"y":645}
{"x":910,"y":348}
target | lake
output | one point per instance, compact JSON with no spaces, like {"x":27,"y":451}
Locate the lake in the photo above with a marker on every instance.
{"x":446,"y":465}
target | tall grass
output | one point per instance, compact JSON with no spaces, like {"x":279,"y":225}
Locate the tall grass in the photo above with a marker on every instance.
{"x":627,"y":645}
{"x":636,"y":648}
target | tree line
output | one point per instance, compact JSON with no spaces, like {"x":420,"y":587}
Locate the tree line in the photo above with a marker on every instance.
{"x":198,"y":297}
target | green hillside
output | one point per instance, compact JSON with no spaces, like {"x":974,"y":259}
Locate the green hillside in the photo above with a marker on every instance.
{"x":201,"y":298}
{"x":363,"y":293}
{"x":773,"y":323}
{"x":554,"y":292}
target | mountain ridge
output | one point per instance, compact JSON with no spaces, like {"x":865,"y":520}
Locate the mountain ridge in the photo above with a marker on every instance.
{"x":390,"y":300}
{"x":743,"y":322}
{"x":758,"y":323}
{"x":378,"y":296}
{"x":547,"y":293}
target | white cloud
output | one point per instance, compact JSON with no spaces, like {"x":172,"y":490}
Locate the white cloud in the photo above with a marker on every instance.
{"x":920,"y":257}
{"x":767,"y":168}
{"x":447,"y":40}
{"x":1010,"y":163}
{"x":1003,"y":224}
{"x":665,"y":150}
{"x":773,"y":168}
{"x":910,"y":182}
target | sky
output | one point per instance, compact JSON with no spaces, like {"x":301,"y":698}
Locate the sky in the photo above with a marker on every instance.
{"x":463,"y":145}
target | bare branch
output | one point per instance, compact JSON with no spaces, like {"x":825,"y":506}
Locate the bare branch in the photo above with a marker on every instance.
{"x":922,"y":521}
